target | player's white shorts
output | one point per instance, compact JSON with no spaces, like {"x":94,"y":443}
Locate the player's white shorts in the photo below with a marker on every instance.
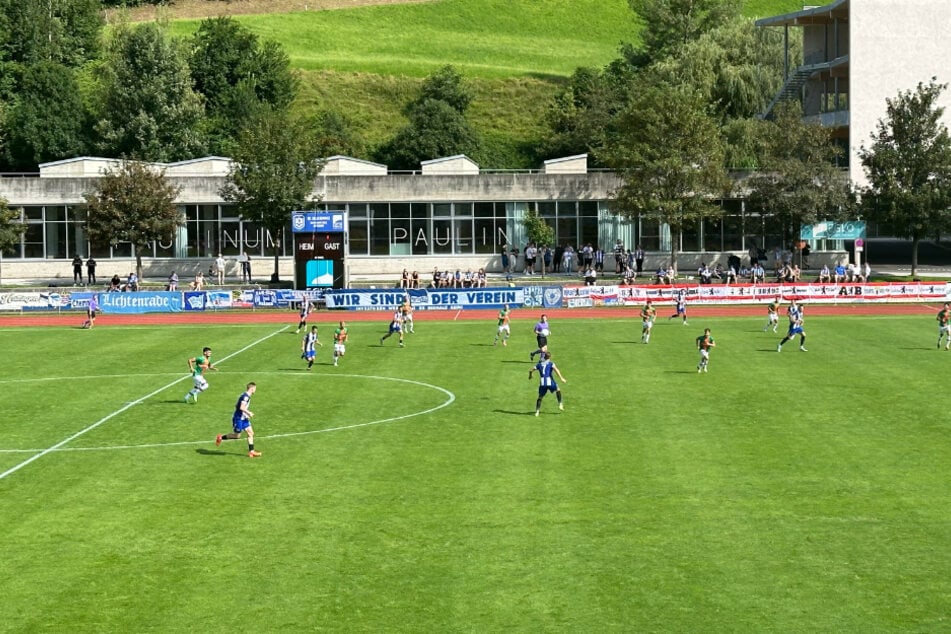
{"x":704,"y":354}
{"x":504,"y":328}
{"x":647,"y":324}
{"x":200,"y":382}
{"x":774,"y":318}
{"x":340,"y":349}
{"x":944,"y":330}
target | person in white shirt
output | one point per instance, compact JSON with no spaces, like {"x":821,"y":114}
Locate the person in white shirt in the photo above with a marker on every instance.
{"x":220,"y":270}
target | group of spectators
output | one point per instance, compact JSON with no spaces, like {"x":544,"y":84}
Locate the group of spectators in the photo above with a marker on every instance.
{"x":445,"y":279}
{"x":850,"y":272}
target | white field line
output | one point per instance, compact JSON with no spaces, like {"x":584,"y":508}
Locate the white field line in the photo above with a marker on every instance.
{"x":449,"y":401}
{"x":102,"y":420}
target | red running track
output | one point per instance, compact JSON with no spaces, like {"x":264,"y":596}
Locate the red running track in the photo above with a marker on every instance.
{"x":289,"y":317}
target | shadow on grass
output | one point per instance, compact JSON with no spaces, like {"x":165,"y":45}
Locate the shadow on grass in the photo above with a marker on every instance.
{"x":511,"y":413}
{"x":220,"y":453}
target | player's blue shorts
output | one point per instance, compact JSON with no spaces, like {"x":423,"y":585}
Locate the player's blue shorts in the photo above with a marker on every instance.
{"x":239,"y":424}
{"x":681,"y":310}
{"x":545,"y":389}
{"x":395,"y":326}
{"x":794,"y":330}
{"x":310,"y":355}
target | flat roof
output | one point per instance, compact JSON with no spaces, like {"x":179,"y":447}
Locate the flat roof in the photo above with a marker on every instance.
{"x":838,"y":10}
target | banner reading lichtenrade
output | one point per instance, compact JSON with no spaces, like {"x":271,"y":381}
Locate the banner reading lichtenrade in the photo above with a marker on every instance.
{"x":141,"y":302}
{"x":426,"y":299}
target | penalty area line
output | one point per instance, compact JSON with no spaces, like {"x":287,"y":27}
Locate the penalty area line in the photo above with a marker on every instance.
{"x":127,"y":406}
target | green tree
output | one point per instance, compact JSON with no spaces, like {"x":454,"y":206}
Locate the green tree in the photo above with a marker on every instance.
{"x":735,"y":66}
{"x":797,"y":182}
{"x":539,"y":232}
{"x":669,"y":25}
{"x":273,"y":173}
{"x":148,"y":108}
{"x":669,"y":155}
{"x":437,"y":124}
{"x":48,"y":120}
{"x":12,"y":228}
{"x":60,"y":31}
{"x":236,"y":73}
{"x":335,"y":133}
{"x":908,"y":168}
{"x":134,"y":203}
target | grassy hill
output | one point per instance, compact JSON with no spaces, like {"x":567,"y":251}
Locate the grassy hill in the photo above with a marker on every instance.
{"x":367,"y":61}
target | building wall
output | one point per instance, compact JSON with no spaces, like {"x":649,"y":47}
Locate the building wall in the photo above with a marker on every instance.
{"x":894,"y":47}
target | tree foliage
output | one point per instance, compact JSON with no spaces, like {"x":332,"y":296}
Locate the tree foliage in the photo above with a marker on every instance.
{"x":537,"y":230}
{"x":149,"y":110}
{"x":12,"y":226}
{"x":798,"y":182}
{"x":335,"y":133}
{"x":908,"y":167}
{"x":59,"y":31}
{"x":47,"y":120}
{"x":236,"y":73}
{"x":437,"y":124}
{"x":132,"y":203}
{"x":668,"y":153}
{"x":669,"y":25}
{"x":273,"y":172}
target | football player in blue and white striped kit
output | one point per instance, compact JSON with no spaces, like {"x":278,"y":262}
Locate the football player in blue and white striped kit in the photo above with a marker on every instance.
{"x":545,"y":368}
{"x":795,"y":314}
{"x":396,"y":327}
{"x":309,"y":347}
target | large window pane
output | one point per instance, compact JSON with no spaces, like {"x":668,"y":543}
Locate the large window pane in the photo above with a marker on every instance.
{"x":484,"y":235}
{"x":463,"y":236}
{"x":359,"y":236}
{"x":56,"y":239}
{"x":442,"y":236}
{"x":419,"y":230}
{"x":379,"y":234}
{"x":33,"y":241}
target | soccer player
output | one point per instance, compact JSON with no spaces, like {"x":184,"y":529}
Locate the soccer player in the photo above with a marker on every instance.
{"x":545,"y":368}
{"x":241,"y":421}
{"x":91,"y":312}
{"x":795,"y":327}
{"x":681,"y":310}
{"x":541,"y":337}
{"x":772,"y":315}
{"x":944,"y":326}
{"x":407,"y":309}
{"x":505,"y":329}
{"x":197,"y":365}
{"x":704,"y":343}
{"x":648,"y":314}
{"x":396,"y":327}
{"x":340,"y":341}
{"x":305,"y":308}
{"x":309,"y":347}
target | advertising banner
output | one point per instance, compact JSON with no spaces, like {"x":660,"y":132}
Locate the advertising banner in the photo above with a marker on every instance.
{"x":36,"y":301}
{"x":142,"y":302}
{"x":430,"y":299}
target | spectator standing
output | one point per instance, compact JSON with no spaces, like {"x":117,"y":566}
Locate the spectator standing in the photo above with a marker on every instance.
{"x":639,"y":259}
{"x":220,"y":270}
{"x":245,"y":263}
{"x":599,"y":260}
{"x":619,"y":256}
{"x":172,"y":282}
{"x":78,"y":269}
{"x":91,"y":271}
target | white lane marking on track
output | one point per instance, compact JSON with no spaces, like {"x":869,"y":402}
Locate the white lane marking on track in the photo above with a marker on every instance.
{"x":446,"y":403}
{"x":102,"y":420}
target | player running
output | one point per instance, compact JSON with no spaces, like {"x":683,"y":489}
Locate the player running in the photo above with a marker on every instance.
{"x":944,"y":326}
{"x":396,"y":327}
{"x":704,"y":343}
{"x":648,"y":314}
{"x":545,"y":368}
{"x":308,"y":347}
{"x":305,"y":307}
{"x":197,"y":365}
{"x":241,"y":421}
{"x":772,"y":315}
{"x":795,"y":327}
{"x":505,"y":329}
{"x":341,"y":334}
{"x":681,"y":305}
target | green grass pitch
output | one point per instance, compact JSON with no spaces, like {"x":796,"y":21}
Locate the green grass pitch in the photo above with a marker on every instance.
{"x":414,"y":490}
